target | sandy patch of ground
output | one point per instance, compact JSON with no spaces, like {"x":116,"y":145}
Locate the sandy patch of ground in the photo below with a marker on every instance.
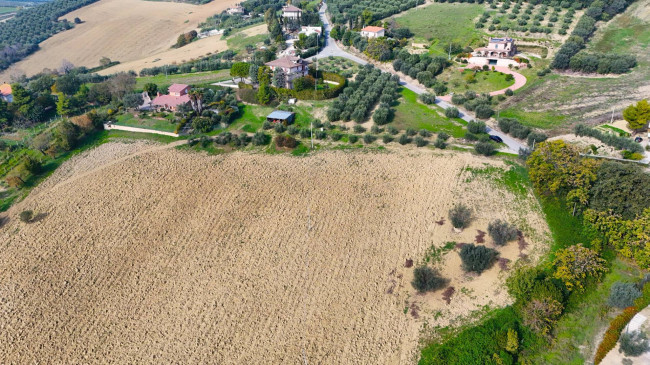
{"x":584,"y":143}
{"x":170,"y":256}
{"x":123,"y":30}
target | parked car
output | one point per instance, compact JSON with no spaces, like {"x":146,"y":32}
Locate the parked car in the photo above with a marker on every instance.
{"x":496,"y":139}
{"x":638,"y":140}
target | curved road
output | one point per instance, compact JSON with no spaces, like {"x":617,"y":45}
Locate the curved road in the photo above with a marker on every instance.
{"x":332,"y":49}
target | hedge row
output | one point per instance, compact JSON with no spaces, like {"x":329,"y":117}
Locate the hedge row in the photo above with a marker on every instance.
{"x":613,"y":140}
{"x":617,"y":325}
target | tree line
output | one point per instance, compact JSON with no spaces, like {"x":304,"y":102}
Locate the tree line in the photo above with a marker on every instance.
{"x":571,"y":55}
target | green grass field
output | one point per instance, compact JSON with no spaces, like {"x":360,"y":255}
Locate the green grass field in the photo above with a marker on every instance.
{"x":130,"y":120}
{"x":412,"y":114}
{"x":8,"y":9}
{"x":239,"y":41}
{"x":618,"y":37}
{"x":194,"y":78}
{"x":485,"y":81}
{"x":441,"y":23}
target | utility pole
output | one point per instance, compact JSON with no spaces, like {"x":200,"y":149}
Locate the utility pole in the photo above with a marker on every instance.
{"x":612,"y":121}
{"x":311,"y":131}
{"x":316,"y":78}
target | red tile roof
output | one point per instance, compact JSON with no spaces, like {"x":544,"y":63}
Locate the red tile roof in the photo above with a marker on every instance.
{"x":170,"y":101}
{"x":5,"y":89}
{"x":177,"y":88}
{"x":372,"y":29}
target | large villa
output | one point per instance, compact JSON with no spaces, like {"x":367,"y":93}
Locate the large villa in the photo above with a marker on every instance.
{"x":499,"y":52}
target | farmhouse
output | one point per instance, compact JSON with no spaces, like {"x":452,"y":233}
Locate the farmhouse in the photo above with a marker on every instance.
{"x":373,"y":32}
{"x":292,"y":66}
{"x":6,"y":93}
{"x":236,"y":10}
{"x":177,"y":95}
{"x":498,"y":48}
{"x":291,"y":12}
{"x":309,"y":30}
{"x":499,"y":52}
{"x":280,"y":116}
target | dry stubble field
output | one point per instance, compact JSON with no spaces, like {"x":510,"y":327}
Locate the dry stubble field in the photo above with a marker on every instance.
{"x":146,"y":254}
{"x":125,"y":31}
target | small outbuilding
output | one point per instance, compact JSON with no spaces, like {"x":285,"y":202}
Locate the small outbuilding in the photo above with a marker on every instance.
{"x":280,"y":116}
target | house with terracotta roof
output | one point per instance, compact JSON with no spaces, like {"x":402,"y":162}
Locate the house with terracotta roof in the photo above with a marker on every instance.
{"x":291,"y":12}
{"x":176,"y":96}
{"x":498,"y":48}
{"x":6,"y":93}
{"x":293,"y":67}
{"x":373,"y":32}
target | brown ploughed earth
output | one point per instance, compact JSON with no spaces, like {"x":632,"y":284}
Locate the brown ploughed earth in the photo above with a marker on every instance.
{"x":125,"y":31}
{"x":142,"y":253}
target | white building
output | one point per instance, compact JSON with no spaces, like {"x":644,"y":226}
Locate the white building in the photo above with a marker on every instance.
{"x":291,"y":12}
{"x":373,"y":32}
{"x":309,"y":30}
{"x":236,"y":10}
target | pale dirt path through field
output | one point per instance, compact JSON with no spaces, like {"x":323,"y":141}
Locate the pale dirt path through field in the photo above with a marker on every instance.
{"x":162,"y":256}
{"x":123,"y":30}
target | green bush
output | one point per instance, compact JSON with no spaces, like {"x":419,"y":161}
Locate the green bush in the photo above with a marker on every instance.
{"x":502,"y":232}
{"x":452,"y":112}
{"x":387,"y":138}
{"x":623,"y":295}
{"x":353,"y":138}
{"x":420,"y":142}
{"x":26,"y":216}
{"x":440,"y":143}
{"x":369,"y":138}
{"x":279,"y":128}
{"x":460,"y":216}
{"x":426,"y":279}
{"x":476,"y":127}
{"x":392,"y":130}
{"x":261,"y":139}
{"x":477,"y":258}
{"x":485,"y":148}
{"x":411,"y":132}
{"x":427,"y":98}
{"x":404,"y":139}
{"x":633,"y":343}
{"x":444,"y":136}
{"x":359,"y":129}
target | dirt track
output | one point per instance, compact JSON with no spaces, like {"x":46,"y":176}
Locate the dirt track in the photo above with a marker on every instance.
{"x":172,"y":256}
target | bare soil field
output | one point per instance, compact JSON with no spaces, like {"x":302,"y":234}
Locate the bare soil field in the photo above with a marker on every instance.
{"x":146,"y":254}
{"x":196,"y":49}
{"x":122,"y":30}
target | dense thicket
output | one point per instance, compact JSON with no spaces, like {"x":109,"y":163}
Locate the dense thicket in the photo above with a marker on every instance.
{"x":570,"y":56}
{"x":357,"y":13}
{"x":360,"y":97}
{"x":622,"y":189}
{"x":21,"y":35}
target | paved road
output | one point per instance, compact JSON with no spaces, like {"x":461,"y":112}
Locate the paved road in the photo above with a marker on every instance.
{"x":332,"y":49}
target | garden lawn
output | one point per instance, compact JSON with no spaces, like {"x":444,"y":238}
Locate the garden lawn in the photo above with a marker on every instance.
{"x":193,"y":78}
{"x":252,"y":118}
{"x":412,"y":114}
{"x":486,"y":81}
{"x":239,"y":41}
{"x":163,"y":124}
{"x":441,"y":23}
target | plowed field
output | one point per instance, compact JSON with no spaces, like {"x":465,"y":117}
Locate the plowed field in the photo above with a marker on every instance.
{"x":147,"y":254}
